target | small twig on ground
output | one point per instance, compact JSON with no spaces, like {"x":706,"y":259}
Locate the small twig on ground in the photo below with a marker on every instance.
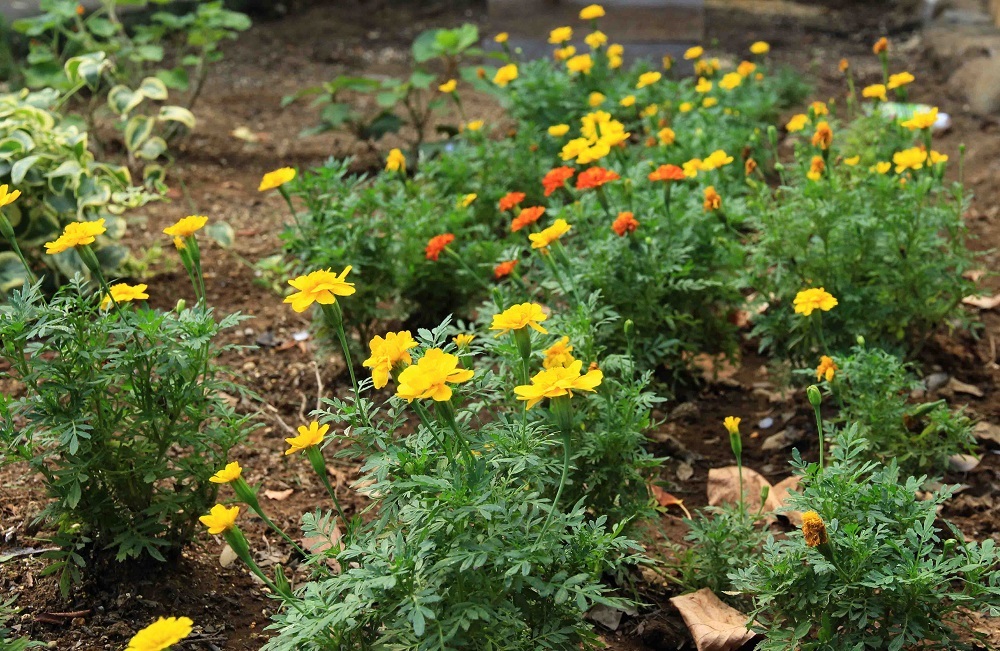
{"x":278,"y":419}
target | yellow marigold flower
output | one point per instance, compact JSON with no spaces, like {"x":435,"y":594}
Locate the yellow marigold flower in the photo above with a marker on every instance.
{"x":179,"y":244}
{"x":709,"y":102}
{"x":715,"y":160}
{"x":161,"y":634}
{"x":76,"y":234}
{"x":448,"y":86}
{"x":558,"y":130}
{"x":921,"y":120}
{"x":730,"y":80}
{"x":823,"y":137}
{"x":123,"y":293}
{"x":231,"y":472}
{"x":881,"y":45}
{"x":648,"y":79}
{"x":187,"y":227}
{"x":797,"y":123}
{"x":558,"y":381}
{"x":515,"y":317}
{"x":395,"y":161}
{"x":616,"y":50}
{"x":560,"y":35}
{"x":814,"y":529}
{"x":852,"y":161}
{"x":581,"y":63}
{"x":685,"y":107}
{"x":816,"y":167}
{"x":628,"y":100}
{"x":666,"y":136}
{"x":430,"y":377}
{"x":387,"y":353}
{"x":713,"y":201}
{"x":220,"y":519}
{"x":819,"y":108}
{"x":882,"y":167}
{"x":322,"y":286}
{"x":668,"y":62}
{"x":746,"y":68}
{"x":760,"y":47}
{"x":650,"y":110}
{"x":703,"y":85}
{"x":706,"y":67}
{"x":615,"y":62}
{"x":936,"y":157}
{"x":694,"y":52}
{"x":595,"y":39}
{"x":468,"y":199}
{"x":875,"y":91}
{"x":463,"y":340}
{"x":549,"y":235}
{"x":308,"y":437}
{"x":501,"y":37}
{"x":563,"y":53}
{"x":276,"y":179}
{"x":574,"y":148}
{"x":899,"y":80}
{"x":558,"y":354}
{"x":692,"y":167}
{"x":592,"y":12}
{"x":505,"y":75}
{"x":474,"y":125}
{"x":7,"y":198}
{"x":732,"y":424}
{"x":595,"y":99}
{"x":809,"y":300}
{"x":909,"y":159}
{"x":826,"y":369}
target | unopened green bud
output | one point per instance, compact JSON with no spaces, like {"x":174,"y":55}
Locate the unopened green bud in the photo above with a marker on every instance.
{"x":765,"y":490}
{"x":778,"y":167}
{"x":6,"y":229}
{"x":860,"y":340}
{"x":772,"y":134}
{"x":629,"y":328}
{"x":181,"y":305}
{"x":815,"y":397}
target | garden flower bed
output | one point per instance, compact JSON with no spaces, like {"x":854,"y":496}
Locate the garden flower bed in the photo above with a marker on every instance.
{"x":485,"y":387}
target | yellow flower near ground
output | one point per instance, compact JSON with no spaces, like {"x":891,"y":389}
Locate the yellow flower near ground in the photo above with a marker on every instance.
{"x":161,"y":634}
{"x":558,"y":354}
{"x":816,"y":167}
{"x":430,"y":377}
{"x":823,"y":137}
{"x":852,"y":161}
{"x":388,"y":352}
{"x":921,"y":120}
{"x":395,"y":161}
{"x":592,"y":12}
{"x":730,"y":81}
{"x":703,"y":85}
{"x":909,"y":159}
{"x":650,"y":111}
{"x":718,"y":158}
{"x":558,"y":130}
{"x":667,"y":61}
{"x":595,"y":99}
{"x":581,"y":63}
{"x":760,"y":47}
{"x":276,"y":179}
{"x":809,"y":300}
{"x":648,"y":79}
{"x":516,"y":317}
{"x":692,"y":167}
{"x":616,"y":50}
{"x":7,"y":198}
{"x":546,"y":237}
{"x":463,"y":339}
{"x":899,"y":80}
{"x":694,"y":52}
{"x":827,"y":369}
{"x":709,"y":102}
{"x":797,"y":123}
{"x":936,"y":157}
{"x":819,"y":108}
{"x":322,"y":286}
{"x":187,"y":226}
{"x":875,"y":91}
{"x":558,"y":381}
{"x":231,"y":472}
{"x":685,"y":107}
{"x":560,"y":35}
{"x":882,"y":167}
{"x":474,"y":125}
{"x":615,"y":62}
{"x":666,"y":136}
{"x":448,"y":86}
{"x":563,"y":53}
{"x":746,"y":68}
{"x":76,"y":234}
{"x":308,"y":437}
{"x":814,"y":529}
{"x":627,"y":101}
{"x":595,"y":39}
{"x":467,"y":200}
{"x":732,"y":424}
{"x":505,"y":75}
{"x":124,"y":293}
{"x":220,"y":519}
{"x":502,"y":37}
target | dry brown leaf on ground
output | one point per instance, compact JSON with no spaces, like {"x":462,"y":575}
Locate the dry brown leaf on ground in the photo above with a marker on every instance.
{"x":983,"y":302}
{"x":779,"y":494}
{"x":724,"y":486}
{"x":714,"y":625}
{"x":665,"y":499}
{"x":958,"y":386}
{"x":322,"y":541}
{"x":712,"y":367}
{"x":279,"y":496}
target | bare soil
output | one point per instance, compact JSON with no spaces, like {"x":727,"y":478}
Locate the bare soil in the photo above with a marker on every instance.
{"x":217,"y":174}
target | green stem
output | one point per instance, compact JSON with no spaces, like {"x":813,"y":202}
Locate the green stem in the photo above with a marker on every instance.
{"x":315,"y":456}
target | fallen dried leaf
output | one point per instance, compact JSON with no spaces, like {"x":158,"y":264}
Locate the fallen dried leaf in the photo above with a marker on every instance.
{"x":724,"y":486}
{"x":987,"y":432}
{"x":961,"y":387}
{"x":279,"y":496}
{"x":713,"y":625}
{"x":962,"y":462}
{"x":323,"y":541}
{"x":665,"y":499}
{"x":982,"y":302}
{"x":974,"y":274}
{"x":779,"y":495}
{"x":227,"y":557}
{"x":684,"y":471}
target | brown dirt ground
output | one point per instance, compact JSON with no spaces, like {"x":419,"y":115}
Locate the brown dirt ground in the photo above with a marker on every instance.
{"x":217,"y":174}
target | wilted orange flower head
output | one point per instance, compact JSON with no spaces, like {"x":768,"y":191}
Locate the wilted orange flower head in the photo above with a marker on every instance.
{"x":436,"y":245}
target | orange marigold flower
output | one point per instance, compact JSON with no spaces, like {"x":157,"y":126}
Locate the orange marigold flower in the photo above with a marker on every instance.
{"x":510,"y":200}
{"x":712,"y":199}
{"x":595,"y":177}
{"x":436,"y":245}
{"x":557,"y":178}
{"x":667,"y":173}
{"x":844,"y":65}
{"x":625,"y":223}
{"x":816,"y":168}
{"x":826,"y":369}
{"x":814,"y":529}
{"x":749,"y":166}
{"x":823,"y":135}
{"x":881,"y":45}
{"x":504,"y":269}
{"x":526,"y":217}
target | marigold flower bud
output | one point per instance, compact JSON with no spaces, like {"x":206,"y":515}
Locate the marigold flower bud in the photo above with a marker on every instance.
{"x":814,"y":529}
{"x":815,"y":397}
